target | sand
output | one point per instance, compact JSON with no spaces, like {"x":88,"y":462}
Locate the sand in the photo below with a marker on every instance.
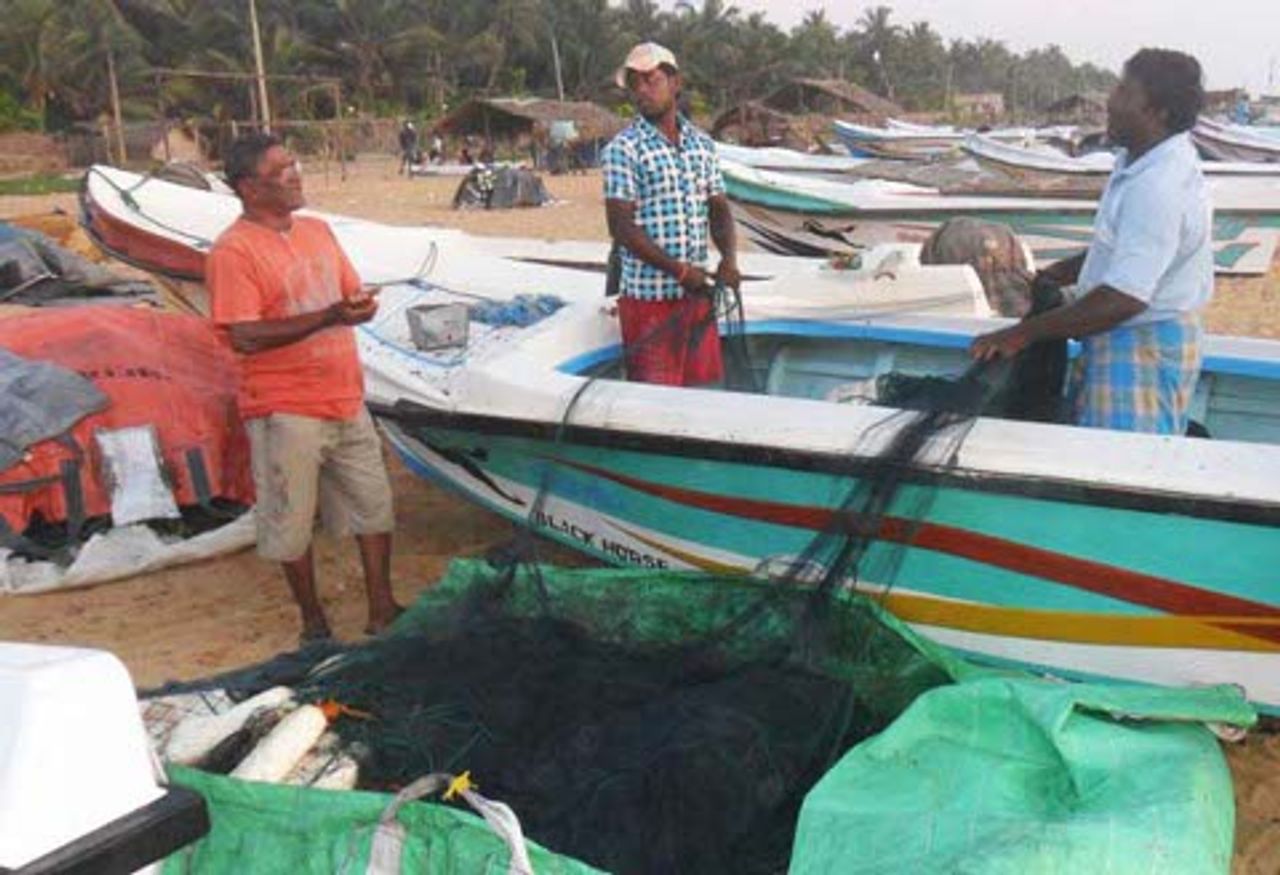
{"x":198,"y":620}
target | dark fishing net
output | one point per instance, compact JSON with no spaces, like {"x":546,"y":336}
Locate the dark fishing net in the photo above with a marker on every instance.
{"x":629,"y":752}
{"x":661,"y":722}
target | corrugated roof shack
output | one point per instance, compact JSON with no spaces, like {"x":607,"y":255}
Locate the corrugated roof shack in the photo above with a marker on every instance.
{"x":798,"y":114}
{"x":523,"y":126}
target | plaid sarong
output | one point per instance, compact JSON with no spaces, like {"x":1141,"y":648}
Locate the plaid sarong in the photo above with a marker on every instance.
{"x":1139,"y":378}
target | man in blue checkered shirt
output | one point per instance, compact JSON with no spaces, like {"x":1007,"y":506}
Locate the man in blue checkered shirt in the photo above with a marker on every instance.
{"x":664,"y":196}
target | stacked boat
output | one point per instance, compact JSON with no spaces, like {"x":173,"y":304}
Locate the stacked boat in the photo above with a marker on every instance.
{"x":1042,"y":163}
{"x":1229,"y":142}
{"x":1015,"y":176}
{"x":910,"y":142}
{"x":1077,"y":552}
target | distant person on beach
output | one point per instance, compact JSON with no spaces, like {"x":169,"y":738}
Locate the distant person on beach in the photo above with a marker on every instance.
{"x":284,"y":292}
{"x":408,"y":146}
{"x":437,"y":150}
{"x":1148,"y":271}
{"x":664,"y":196}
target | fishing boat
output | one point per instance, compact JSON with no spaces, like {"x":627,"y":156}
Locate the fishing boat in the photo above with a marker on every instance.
{"x":1228,"y":142}
{"x":774,"y":158}
{"x":911,"y":142}
{"x":872,"y":211}
{"x":1077,"y":552}
{"x":1041,"y":166}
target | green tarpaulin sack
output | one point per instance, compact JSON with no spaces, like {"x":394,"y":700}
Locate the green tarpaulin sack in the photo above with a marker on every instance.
{"x":1018,"y":775}
{"x":271,"y":829}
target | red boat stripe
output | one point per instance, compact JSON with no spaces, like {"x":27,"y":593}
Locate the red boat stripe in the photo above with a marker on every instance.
{"x":1085,"y":574}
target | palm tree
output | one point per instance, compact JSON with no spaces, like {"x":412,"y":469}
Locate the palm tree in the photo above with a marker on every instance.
{"x":879,"y":37}
{"x":58,"y":52}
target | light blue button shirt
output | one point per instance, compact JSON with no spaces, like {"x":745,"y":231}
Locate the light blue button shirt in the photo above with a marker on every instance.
{"x":1152,"y":235}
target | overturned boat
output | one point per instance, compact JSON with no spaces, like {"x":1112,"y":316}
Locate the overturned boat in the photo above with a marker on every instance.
{"x":1078,"y":552}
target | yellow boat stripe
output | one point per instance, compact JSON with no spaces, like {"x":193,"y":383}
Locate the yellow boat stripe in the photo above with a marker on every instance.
{"x":1074,"y":627}
{"x":1114,"y":630}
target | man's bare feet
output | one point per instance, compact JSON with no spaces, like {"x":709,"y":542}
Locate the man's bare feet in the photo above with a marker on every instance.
{"x":314,"y":632}
{"x":383,"y":617}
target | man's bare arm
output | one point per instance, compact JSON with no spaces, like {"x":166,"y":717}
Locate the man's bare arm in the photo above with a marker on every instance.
{"x":725,"y":236}
{"x":621,"y":216}
{"x":250,"y":337}
{"x":723,"y":232}
{"x":1101,"y":310}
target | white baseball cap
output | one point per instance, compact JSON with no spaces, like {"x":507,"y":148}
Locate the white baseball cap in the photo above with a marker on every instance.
{"x":642,"y":59}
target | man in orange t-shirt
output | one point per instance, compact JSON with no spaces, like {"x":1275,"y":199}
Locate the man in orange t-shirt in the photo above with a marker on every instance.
{"x":287,"y":297}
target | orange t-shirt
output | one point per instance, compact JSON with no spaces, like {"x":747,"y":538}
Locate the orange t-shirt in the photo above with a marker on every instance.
{"x":258,"y":274}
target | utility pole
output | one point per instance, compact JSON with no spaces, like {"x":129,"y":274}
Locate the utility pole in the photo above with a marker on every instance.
{"x":257,"y":60}
{"x":116,"y":114}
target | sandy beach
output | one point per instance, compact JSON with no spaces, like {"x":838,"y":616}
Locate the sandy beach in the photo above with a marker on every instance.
{"x":198,"y":620}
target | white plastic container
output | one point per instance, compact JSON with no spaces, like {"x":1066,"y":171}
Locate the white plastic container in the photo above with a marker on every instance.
{"x":438,"y":326}
{"x":74,"y":754}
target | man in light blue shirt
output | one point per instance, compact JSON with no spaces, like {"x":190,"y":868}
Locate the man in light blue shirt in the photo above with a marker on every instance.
{"x":1148,"y":272}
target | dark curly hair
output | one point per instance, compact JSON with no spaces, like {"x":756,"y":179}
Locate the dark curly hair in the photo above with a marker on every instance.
{"x":242,"y":158}
{"x":1173,"y":82}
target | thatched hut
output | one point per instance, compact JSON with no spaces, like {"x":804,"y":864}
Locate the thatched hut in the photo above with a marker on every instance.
{"x":525,"y":125}
{"x":798,"y":114}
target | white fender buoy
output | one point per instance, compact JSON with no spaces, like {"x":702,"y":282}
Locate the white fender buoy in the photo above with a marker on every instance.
{"x":193,"y":738}
{"x":283,"y":747}
{"x":327,"y":766}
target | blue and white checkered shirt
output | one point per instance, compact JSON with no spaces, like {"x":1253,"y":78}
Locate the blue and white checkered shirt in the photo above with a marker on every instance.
{"x":670,"y":188}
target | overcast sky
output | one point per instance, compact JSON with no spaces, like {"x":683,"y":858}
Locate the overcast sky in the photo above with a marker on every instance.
{"x":1237,"y":41}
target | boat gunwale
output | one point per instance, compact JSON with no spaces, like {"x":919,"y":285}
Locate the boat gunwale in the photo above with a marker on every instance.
{"x":1249,"y":512}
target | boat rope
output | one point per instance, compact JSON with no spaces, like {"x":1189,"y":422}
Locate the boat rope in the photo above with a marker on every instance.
{"x":127,"y":198}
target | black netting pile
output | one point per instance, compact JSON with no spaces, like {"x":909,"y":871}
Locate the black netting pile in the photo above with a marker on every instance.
{"x":631,"y":758}
{"x":661,"y":722}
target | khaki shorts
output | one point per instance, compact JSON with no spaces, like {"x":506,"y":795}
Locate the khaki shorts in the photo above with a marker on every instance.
{"x":300,"y":462}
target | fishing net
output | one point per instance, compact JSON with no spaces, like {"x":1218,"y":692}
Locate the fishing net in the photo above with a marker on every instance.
{"x":637,"y":721}
{"x":659,"y":721}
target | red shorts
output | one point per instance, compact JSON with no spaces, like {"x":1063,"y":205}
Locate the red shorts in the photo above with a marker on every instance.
{"x":672,"y":342}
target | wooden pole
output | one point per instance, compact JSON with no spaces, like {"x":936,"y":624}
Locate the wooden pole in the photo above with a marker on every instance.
{"x":258,"y":65}
{"x":555,"y":56}
{"x":328,"y":148}
{"x":338,"y":138}
{"x":106,"y":141}
{"x":115,"y":104}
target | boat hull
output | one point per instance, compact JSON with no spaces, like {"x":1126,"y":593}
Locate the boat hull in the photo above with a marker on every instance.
{"x":1069,"y":580}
